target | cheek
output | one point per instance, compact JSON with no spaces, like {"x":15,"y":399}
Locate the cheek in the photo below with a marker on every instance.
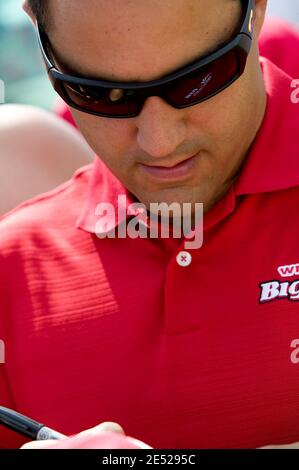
{"x":107,"y":137}
{"x":221,"y":121}
{"x":213,"y":124}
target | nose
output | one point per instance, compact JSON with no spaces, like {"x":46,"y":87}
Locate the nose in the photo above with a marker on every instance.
{"x":160,"y":127}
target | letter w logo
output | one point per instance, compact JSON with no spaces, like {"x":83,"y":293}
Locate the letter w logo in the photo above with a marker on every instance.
{"x":290,"y":270}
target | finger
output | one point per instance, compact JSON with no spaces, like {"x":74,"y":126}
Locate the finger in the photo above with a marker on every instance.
{"x":107,"y":426}
{"x":138,"y":443}
{"x":287,"y":446}
{"x":39,"y":444}
{"x":89,"y":438}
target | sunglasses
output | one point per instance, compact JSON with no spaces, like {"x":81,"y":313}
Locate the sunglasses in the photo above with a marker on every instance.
{"x":188,"y":86}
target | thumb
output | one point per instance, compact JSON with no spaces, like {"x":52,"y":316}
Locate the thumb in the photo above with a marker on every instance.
{"x":107,"y":426}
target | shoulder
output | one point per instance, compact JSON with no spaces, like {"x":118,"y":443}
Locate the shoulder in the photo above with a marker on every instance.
{"x":17,"y":117}
{"x":45,"y":216}
{"x":39,"y":151}
{"x":42,"y":134}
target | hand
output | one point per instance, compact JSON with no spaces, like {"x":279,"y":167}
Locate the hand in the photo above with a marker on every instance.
{"x":287,"y":446}
{"x":104,"y":436}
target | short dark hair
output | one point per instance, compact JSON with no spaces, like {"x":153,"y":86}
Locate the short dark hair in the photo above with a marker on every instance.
{"x":39,"y":9}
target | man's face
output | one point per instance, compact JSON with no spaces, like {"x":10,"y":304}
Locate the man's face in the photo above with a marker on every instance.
{"x":141,"y":40}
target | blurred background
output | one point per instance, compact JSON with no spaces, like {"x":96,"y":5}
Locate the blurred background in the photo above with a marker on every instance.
{"x":21,"y":67}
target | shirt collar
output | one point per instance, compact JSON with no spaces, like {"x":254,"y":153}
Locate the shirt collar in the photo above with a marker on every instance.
{"x":271,"y":165}
{"x":103,"y":188}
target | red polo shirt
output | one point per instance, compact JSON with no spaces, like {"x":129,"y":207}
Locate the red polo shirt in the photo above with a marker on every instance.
{"x":115,"y":329}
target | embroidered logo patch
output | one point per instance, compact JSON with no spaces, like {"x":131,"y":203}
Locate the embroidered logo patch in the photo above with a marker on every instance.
{"x":275,"y":289}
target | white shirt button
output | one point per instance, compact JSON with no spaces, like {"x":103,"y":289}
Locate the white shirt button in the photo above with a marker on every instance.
{"x":184,"y":259}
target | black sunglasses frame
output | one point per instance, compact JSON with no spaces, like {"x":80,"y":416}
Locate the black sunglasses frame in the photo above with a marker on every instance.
{"x":241,"y":45}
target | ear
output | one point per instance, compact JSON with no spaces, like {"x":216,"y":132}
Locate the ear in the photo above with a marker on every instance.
{"x":27,"y":9}
{"x":260,"y":7}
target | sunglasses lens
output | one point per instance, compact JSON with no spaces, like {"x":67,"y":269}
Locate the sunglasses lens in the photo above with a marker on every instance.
{"x":205,"y":82}
{"x":183,"y":92}
{"x":110,"y":102}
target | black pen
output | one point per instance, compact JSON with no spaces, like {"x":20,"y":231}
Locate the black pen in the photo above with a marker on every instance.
{"x":27,"y":426}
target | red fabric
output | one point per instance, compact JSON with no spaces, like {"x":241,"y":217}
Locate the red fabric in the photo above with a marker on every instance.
{"x":62,"y":110}
{"x":115,"y":330}
{"x":279,"y":42}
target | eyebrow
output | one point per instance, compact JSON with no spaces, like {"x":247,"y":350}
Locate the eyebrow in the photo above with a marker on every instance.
{"x":70,"y":70}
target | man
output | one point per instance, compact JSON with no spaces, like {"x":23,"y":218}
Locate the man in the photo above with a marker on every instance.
{"x":181,"y":347}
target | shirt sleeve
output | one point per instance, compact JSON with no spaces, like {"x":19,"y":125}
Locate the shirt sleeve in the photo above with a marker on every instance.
{"x":8,"y":439}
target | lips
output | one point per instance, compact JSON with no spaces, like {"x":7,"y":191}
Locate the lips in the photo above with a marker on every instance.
{"x":169,"y":171}
{"x":169,"y":165}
